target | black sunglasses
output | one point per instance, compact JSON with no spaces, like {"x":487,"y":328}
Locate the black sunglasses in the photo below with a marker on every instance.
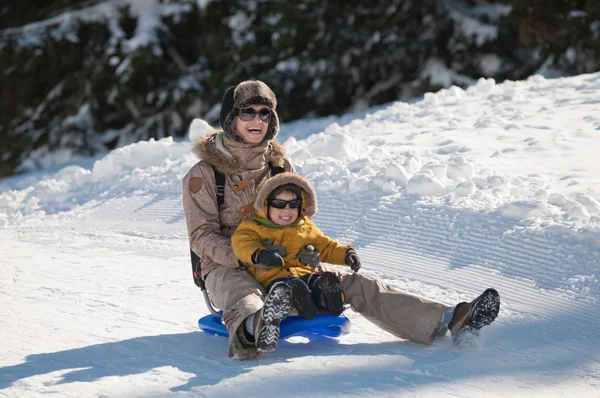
{"x":280,"y":204}
{"x":248,"y":114}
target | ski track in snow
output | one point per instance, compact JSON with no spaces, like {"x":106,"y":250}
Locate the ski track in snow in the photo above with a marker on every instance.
{"x":97,"y":298}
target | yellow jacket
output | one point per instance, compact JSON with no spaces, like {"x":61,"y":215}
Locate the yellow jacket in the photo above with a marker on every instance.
{"x":247,"y":237}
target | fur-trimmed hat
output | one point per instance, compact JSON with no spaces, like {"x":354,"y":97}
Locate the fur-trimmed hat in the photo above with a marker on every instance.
{"x":309,"y":197}
{"x":245,"y":94}
{"x":285,"y":187}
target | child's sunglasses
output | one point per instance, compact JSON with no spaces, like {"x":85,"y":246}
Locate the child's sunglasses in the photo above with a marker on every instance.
{"x":248,"y":114}
{"x":280,"y":204}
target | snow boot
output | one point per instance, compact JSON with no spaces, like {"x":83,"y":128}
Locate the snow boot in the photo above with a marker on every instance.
{"x":241,"y":347}
{"x":471,"y":317}
{"x":302,"y":299}
{"x":332,"y":295}
{"x":278,"y":304}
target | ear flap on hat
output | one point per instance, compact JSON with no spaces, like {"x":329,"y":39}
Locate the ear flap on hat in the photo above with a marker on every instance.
{"x":226,"y":106}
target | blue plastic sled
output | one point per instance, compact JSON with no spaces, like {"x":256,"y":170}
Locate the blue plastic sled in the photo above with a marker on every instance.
{"x":331,"y":326}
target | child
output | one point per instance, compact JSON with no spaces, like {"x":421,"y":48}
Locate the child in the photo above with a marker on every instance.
{"x":285,"y":203}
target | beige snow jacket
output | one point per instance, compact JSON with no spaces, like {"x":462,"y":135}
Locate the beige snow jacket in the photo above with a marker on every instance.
{"x":245,"y":167}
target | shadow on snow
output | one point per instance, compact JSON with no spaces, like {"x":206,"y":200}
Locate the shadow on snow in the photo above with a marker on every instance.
{"x":539,"y":346}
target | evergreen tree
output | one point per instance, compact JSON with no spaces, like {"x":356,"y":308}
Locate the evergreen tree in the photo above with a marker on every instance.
{"x":85,"y":76}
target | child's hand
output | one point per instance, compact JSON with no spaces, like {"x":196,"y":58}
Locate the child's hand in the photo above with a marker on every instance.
{"x":267,"y":258}
{"x":309,"y":256}
{"x":353,"y":261}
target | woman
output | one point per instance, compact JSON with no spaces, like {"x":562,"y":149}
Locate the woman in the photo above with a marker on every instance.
{"x":246,"y":153}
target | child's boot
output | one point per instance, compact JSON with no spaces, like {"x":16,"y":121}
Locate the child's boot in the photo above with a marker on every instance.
{"x":332,"y":294}
{"x":266,"y":324}
{"x":302,"y":299}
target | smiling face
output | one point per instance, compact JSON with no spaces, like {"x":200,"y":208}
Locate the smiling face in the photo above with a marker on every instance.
{"x":252,"y":131}
{"x":285,"y":216}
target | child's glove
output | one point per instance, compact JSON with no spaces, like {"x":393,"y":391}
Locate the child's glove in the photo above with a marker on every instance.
{"x":266,"y":259}
{"x":309,"y":256}
{"x":353,"y":261}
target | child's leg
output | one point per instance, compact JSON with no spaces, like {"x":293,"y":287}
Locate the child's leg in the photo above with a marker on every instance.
{"x":285,"y":279}
{"x":327,"y":291}
{"x":302,"y":299}
{"x":278,"y":304}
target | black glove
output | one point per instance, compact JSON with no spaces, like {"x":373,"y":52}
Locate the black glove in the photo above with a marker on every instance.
{"x":268,"y":245}
{"x":353,"y":261}
{"x":308,"y":255}
{"x":266,"y":259}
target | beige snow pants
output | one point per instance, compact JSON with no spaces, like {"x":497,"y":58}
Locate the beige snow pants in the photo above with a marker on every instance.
{"x":239,"y":295}
{"x":403,"y":315}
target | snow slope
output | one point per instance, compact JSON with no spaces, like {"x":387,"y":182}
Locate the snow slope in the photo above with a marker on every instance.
{"x":496,"y":186}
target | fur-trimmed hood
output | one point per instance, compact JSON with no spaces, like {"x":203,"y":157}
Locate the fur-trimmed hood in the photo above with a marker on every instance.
{"x":309,"y":196}
{"x":227,"y":156}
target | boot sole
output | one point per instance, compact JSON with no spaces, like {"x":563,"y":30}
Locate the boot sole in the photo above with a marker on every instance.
{"x":302,"y":300}
{"x":331,"y":287}
{"x":277,"y":307}
{"x":485,"y":310}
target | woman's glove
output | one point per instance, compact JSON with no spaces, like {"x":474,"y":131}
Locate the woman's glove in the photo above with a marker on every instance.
{"x":310,"y":256}
{"x":353,"y":261}
{"x":266,"y":259}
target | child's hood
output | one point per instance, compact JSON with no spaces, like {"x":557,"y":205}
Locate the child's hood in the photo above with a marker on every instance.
{"x":309,"y":197}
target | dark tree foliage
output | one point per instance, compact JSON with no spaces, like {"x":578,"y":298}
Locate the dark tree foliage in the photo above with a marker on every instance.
{"x":87,"y":84}
{"x":15,"y":13}
{"x":564,"y":32}
{"x":329,"y":57}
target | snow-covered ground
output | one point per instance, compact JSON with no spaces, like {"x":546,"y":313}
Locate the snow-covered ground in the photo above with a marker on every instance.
{"x":494,"y":186}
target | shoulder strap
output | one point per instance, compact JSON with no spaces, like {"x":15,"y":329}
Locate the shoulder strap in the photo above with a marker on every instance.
{"x":220,"y":183}
{"x":196,"y":260}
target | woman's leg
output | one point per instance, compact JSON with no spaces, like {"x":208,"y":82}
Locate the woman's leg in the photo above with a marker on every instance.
{"x":239,"y":295}
{"x":403,"y":315}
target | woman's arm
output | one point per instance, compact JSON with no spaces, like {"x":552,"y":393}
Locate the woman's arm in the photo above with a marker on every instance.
{"x":202,"y":216}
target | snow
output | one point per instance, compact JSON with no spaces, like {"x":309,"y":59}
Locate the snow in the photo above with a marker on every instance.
{"x":490,"y":64}
{"x":493,"y":186}
{"x":199,"y":128}
{"x":441,"y":75}
{"x":467,"y":19}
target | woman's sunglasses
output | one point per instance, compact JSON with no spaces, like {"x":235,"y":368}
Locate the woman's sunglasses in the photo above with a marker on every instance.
{"x":248,"y":114}
{"x":280,"y":204}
